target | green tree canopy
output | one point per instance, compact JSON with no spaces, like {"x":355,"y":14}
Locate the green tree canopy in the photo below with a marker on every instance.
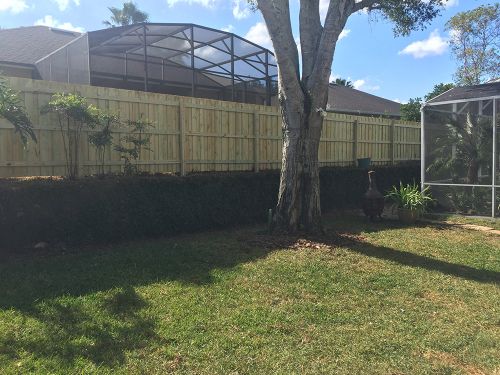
{"x":438,"y":90}
{"x":475,"y":43}
{"x":411,"y":110}
{"x":343,"y":82}
{"x":129,"y":14}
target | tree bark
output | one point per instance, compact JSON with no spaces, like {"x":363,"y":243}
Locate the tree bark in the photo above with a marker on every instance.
{"x":473,"y":172}
{"x":299,"y":194}
{"x":303,"y":100}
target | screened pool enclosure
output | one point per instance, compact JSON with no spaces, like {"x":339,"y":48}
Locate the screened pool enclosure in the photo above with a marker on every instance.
{"x":178,"y":59}
{"x":461,"y":149}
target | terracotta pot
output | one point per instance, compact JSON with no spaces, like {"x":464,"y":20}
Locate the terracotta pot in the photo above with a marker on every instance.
{"x":408,"y":216}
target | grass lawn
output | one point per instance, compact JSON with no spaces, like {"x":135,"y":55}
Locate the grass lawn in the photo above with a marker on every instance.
{"x":381,"y":299}
{"x":487,"y":222}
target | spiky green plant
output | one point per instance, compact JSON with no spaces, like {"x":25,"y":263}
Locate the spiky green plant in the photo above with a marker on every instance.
{"x":410,"y":197}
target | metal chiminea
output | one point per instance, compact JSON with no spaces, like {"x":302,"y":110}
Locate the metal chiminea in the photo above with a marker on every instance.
{"x":373,"y":201}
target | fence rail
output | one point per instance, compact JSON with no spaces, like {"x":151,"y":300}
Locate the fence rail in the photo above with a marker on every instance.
{"x":194,"y":135}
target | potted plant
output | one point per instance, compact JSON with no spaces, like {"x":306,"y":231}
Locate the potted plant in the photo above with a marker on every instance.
{"x":410,"y":202}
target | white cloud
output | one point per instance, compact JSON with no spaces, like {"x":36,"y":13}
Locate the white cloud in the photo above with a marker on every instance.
{"x":448,"y":3}
{"x":451,"y":3}
{"x":63,"y":4}
{"x":229,"y":28}
{"x":259,"y":35}
{"x":241,"y":9}
{"x":52,"y":22}
{"x":13,"y":6}
{"x":358,"y":84}
{"x":203,"y":3}
{"x":344,"y":34}
{"x":432,"y":46}
{"x":397,"y":100}
{"x":363,"y":85}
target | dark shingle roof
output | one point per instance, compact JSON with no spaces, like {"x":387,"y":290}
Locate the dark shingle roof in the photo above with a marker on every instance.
{"x":469,"y":92}
{"x":27,"y":45}
{"x":347,"y":100}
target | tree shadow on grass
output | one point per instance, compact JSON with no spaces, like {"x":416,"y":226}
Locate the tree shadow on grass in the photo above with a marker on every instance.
{"x":104,"y":330}
{"x":64,"y":331}
{"x":349,"y":234}
{"x":103,"y":327}
{"x":190,"y":259}
{"x":406,"y":258}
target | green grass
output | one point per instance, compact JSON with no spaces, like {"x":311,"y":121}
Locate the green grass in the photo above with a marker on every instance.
{"x":387,"y":300}
{"x":459,"y":219}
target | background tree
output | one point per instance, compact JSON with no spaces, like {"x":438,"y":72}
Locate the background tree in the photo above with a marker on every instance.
{"x":439,"y":89}
{"x":475,"y":44}
{"x":303,"y":89}
{"x":13,"y":110}
{"x":129,"y":14}
{"x":343,"y":82}
{"x":411,"y":110}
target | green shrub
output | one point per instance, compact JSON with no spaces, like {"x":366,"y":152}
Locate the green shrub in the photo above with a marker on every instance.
{"x":92,"y":210}
{"x":73,"y":114}
{"x":13,"y":110}
{"x":410,"y":197}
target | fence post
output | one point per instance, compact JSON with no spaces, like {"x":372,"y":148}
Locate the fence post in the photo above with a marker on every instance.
{"x":256,"y":141}
{"x":182,"y":138}
{"x":393,"y":142}
{"x":355,"y":141}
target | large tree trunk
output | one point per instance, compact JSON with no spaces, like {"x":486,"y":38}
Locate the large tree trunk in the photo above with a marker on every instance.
{"x":303,"y":98}
{"x":299,"y":194}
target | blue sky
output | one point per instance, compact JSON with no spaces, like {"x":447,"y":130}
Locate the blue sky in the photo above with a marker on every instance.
{"x":368,"y":54}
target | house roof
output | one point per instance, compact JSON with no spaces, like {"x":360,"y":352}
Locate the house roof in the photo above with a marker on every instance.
{"x":469,"y":92}
{"x":348,"y":100}
{"x":27,"y":45}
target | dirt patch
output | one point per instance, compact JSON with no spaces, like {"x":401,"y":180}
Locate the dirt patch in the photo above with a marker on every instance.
{"x":296,"y":242}
{"x":450,"y":360}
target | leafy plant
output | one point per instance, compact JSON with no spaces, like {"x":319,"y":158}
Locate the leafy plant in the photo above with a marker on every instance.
{"x":132,"y":145}
{"x":469,"y":199}
{"x":13,"y":110}
{"x":103,"y":138}
{"x":73,"y":114}
{"x":464,"y":145}
{"x":410,"y":197}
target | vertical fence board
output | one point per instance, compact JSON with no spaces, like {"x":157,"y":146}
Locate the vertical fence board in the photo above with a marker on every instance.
{"x":193,"y":134}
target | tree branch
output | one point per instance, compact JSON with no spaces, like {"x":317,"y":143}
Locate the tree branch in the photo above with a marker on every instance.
{"x":370,"y":4}
{"x":336,"y":18}
{"x":310,"y":35}
{"x":276,"y":14}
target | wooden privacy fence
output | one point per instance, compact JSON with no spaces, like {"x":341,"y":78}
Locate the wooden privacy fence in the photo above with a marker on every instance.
{"x":193,"y":135}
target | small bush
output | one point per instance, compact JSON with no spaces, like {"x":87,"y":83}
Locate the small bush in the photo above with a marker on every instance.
{"x":112,"y":209}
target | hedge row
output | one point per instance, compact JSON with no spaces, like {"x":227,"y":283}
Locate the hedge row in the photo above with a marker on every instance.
{"x":116,"y":208}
